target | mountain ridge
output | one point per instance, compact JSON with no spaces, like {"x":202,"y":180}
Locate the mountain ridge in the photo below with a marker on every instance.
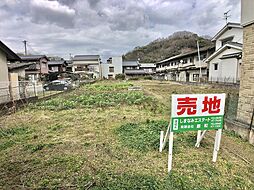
{"x":162,"y":48}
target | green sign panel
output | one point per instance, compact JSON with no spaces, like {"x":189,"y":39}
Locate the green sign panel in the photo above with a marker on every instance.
{"x":180,"y":124}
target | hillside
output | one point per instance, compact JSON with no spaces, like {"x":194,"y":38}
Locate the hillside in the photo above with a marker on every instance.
{"x":179,"y":42}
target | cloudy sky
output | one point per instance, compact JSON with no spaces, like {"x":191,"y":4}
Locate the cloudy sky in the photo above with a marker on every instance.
{"x":105,"y":27}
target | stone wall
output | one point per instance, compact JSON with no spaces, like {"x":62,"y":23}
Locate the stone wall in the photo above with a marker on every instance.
{"x":246,"y":94}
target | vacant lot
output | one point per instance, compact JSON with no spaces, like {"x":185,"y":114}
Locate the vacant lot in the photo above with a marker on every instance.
{"x":103,"y":136}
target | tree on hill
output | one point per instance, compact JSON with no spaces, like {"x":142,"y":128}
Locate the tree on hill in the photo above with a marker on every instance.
{"x":177,"y":43}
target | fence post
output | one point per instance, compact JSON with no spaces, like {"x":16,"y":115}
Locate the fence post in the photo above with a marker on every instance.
{"x":35,"y":93}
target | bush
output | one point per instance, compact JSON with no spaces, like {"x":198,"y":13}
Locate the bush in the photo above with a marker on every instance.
{"x":148,"y":78}
{"x":134,"y":78}
{"x":120,"y":77}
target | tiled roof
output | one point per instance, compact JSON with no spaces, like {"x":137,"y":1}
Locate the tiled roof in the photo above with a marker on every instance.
{"x":13,"y":66}
{"x":130,"y":63}
{"x":60,"y":62}
{"x":85,"y":57}
{"x":32,"y":57}
{"x":187,"y":54}
{"x":134,"y":72}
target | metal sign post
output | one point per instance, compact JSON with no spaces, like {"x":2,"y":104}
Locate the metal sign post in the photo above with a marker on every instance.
{"x":195,"y":112}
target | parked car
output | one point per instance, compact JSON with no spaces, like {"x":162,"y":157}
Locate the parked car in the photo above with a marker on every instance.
{"x":58,"y":85}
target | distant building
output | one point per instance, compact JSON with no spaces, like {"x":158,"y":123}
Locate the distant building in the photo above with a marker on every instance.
{"x":225,"y":62}
{"x":87,"y":65}
{"x":185,"y":67}
{"x":113,"y":67}
{"x":149,"y":68}
{"x":57,"y":66}
{"x":131,"y":68}
{"x":116,"y":65}
{"x":39,"y":67}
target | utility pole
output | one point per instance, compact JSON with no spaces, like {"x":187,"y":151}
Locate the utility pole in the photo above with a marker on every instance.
{"x":25,"y":42}
{"x":226,"y":16}
{"x":200,"y":70}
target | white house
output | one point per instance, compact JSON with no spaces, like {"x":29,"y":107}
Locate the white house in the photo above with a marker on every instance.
{"x":88,"y":65}
{"x":113,"y":67}
{"x":225,"y":62}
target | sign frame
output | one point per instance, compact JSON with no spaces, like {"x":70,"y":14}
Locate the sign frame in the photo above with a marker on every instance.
{"x":200,"y":133}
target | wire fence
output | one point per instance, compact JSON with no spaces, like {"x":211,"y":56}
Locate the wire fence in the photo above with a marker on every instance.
{"x":224,"y":80}
{"x":16,"y":94}
{"x":12,"y":91}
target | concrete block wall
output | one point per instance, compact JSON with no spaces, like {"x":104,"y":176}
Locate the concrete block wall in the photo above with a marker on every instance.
{"x":246,"y":93}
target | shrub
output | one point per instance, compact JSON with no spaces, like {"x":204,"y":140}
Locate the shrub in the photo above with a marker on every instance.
{"x":148,"y":78}
{"x":133,"y":78}
{"x":120,"y":77}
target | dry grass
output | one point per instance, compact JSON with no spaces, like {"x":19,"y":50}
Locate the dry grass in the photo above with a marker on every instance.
{"x":79,"y":148}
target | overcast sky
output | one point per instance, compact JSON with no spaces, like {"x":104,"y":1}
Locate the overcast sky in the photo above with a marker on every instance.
{"x":105,"y":27}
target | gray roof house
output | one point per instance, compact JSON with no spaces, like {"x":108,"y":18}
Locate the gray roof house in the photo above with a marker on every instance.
{"x":38,"y":68}
{"x":57,"y":66}
{"x":87,"y":65}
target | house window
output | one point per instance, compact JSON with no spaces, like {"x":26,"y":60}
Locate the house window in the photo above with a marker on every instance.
{"x":110,"y":76}
{"x":226,"y":40}
{"x":215,"y":66}
{"x":195,"y":77}
{"x":111,"y":69}
{"x":79,"y":68}
{"x":191,"y":59}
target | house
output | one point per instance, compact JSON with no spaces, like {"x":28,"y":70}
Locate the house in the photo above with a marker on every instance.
{"x":58,"y":66}
{"x":137,"y":69}
{"x":69,"y":66}
{"x":6,"y":55}
{"x":39,"y":67}
{"x":132,"y":69}
{"x":149,"y":68}
{"x":185,"y":67}
{"x":225,"y":62}
{"x":113,"y":67}
{"x":87,"y":65}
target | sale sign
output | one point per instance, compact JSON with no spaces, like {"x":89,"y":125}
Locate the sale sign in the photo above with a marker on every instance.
{"x":192,"y":112}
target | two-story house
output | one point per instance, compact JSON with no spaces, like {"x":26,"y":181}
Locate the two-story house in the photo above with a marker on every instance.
{"x":225,"y":62}
{"x":57,"y":66}
{"x":185,"y":67}
{"x":112,"y":67}
{"x":149,"y":68}
{"x":39,"y":67}
{"x":116,"y":65}
{"x":87,"y":65}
